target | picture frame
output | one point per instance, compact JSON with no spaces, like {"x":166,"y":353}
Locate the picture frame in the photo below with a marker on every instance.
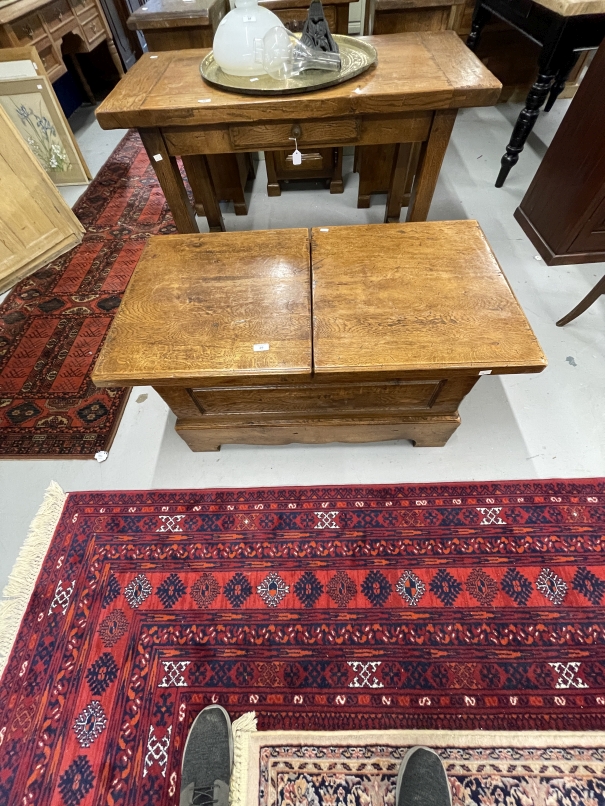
{"x":27,"y":97}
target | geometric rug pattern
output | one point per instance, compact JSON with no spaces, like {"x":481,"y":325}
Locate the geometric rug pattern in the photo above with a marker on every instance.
{"x":53,"y":324}
{"x":448,"y":606}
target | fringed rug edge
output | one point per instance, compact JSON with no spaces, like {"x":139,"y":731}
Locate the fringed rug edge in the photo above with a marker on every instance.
{"x":22,"y":578}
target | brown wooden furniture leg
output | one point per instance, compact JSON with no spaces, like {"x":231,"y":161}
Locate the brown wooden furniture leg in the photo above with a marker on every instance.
{"x":336,"y":183}
{"x":588,"y":300}
{"x":401,"y":164}
{"x":82,"y":78}
{"x":115,"y":56}
{"x":230,"y":173}
{"x":273,"y":186}
{"x":200,"y":179}
{"x":429,"y":164}
{"x":170,"y":179}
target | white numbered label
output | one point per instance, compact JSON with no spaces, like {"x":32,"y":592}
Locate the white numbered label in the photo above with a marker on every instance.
{"x":296,"y":157}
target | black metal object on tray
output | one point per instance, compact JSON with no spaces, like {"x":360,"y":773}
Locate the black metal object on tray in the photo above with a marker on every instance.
{"x":316,"y":31}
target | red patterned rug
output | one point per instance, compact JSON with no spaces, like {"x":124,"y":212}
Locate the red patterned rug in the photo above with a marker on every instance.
{"x":438,"y":606}
{"x":53,"y":324}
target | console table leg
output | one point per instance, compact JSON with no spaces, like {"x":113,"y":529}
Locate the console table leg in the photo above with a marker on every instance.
{"x":170,"y":179}
{"x":273,"y":186}
{"x":429,"y":164}
{"x":200,"y":179}
{"x":591,"y":297}
{"x":524,"y":125}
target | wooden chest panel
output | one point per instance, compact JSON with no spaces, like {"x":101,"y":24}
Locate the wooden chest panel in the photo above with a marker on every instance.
{"x":318,"y":398}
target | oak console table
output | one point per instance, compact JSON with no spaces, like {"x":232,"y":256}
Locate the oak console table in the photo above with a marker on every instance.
{"x":58,"y":28}
{"x":272,"y":337}
{"x":411,"y":96}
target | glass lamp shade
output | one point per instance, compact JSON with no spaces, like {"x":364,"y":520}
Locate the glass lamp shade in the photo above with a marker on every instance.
{"x":283,"y":55}
{"x":233,"y":44}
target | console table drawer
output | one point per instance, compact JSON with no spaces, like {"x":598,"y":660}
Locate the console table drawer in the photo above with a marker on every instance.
{"x":317,"y":398}
{"x":277,"y":135}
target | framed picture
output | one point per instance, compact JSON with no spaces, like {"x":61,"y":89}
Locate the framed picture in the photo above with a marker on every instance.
{"x":31,"y":104}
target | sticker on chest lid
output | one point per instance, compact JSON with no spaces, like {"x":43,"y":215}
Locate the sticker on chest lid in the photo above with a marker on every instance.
{"x":485,"y":372}
{"x":260,"y":348}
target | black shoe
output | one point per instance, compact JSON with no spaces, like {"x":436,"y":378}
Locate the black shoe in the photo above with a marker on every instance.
{"x":422,"y":780}
{"x":207,"y":759}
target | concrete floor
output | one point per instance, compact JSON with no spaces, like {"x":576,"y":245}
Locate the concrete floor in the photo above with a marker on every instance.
{"x":513,"y":427}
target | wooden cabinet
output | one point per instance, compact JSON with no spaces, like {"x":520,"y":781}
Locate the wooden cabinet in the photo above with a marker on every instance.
{"x":81,"y":23}
{"x":293,"y":13}
{"x":37,"y":225}
{"x":400,"y":16}
{"x":563,"y":211}
{"x":275,"y":339}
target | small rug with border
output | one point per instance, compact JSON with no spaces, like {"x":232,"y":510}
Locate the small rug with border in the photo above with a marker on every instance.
{"x":484,"y":768}
{"x":53,"y":323}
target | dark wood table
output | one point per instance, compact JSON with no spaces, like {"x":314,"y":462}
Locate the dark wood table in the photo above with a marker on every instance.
{"x":269,"y":337}
{"x":411,"y":95}
{"x":564,"y":28}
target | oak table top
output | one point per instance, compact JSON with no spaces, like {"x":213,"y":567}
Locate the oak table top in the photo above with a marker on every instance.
{"x":574,"y":8}
{"x":415,"y":71}
{"x":215,"y":298}
{"x":419,"y":296}
{"x":388,"y":299}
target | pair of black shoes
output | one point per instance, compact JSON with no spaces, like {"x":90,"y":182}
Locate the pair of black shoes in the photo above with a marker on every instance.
{"x":208,"y":761}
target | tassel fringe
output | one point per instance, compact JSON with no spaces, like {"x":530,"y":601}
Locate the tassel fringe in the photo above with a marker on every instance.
{"x":242,"y":728}
{"x":22,"y":579}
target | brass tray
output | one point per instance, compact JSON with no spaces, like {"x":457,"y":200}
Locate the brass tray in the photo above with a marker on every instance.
{"x":356,"y":57}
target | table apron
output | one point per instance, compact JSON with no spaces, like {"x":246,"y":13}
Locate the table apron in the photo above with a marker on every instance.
{"x":410,"y":127}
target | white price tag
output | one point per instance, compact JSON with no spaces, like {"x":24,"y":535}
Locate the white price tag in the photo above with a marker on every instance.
{"x":260,"y":348}
{"x":296,"y":157}
{"x":485,"y":372}
{"x":157,"y":157}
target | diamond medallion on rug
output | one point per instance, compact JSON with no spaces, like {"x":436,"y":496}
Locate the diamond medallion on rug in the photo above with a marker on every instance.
{"x":53,"y":324}
{"x":457,"y":607}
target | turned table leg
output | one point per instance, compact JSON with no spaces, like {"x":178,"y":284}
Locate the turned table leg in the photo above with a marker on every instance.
{"x":170,"y":179}
{"x":559,"y":83}
{"x":554,"y":65}
{"x":591,"y":297}
{"x":115,"y":56}
{"x":525,"y":123}
{"x":481,"y":16}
